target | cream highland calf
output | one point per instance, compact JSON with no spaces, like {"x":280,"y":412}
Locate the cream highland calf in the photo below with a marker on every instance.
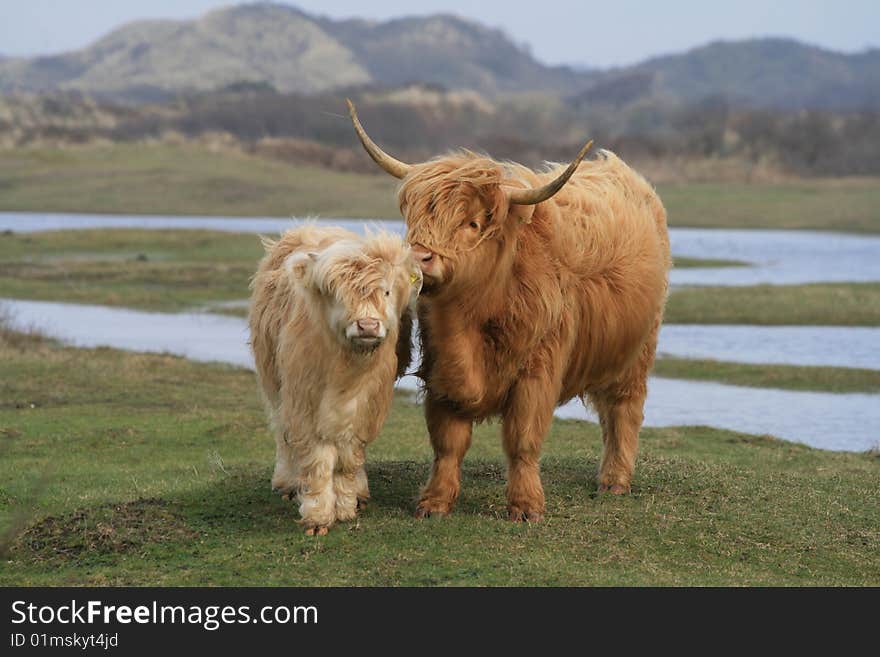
{"x":330,"y":320}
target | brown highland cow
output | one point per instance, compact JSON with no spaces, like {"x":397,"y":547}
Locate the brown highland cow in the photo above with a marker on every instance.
{"x":330,"y":320}
{"x":538,"y":288}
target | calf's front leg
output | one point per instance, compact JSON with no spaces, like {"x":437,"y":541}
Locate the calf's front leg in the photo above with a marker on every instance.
{"x":285,"y":478}
{"x":317,"y":496}
{"x":349,"y":481}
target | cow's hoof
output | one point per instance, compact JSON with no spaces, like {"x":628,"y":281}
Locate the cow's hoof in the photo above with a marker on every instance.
{"x":317,"y":531}
{"x":361,"y":504}
{"x":515,"y":514}
{"x":614,"y":489}
{"x":431,"y":511}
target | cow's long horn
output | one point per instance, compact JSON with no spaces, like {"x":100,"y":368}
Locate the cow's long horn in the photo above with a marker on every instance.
{"x":533,"y":196}
{"x":395,"y":167}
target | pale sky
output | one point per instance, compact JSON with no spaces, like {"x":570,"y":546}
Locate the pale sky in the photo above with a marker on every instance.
{"x":602,"y":34}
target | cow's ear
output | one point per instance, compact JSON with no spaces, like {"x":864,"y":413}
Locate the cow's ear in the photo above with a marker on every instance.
{"x":520,"y":214}
{"x":300,"y":267}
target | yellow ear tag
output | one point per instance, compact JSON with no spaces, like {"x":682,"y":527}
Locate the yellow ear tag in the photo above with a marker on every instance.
{"x":413,"y":278}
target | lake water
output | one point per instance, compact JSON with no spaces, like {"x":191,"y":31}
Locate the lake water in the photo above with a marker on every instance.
{"x":828,"y":346}
{"x":776,"y":257}
{"x":849,"y":422}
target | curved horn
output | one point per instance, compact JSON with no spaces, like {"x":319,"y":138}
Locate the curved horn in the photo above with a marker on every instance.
{"x":396,"y":168}
{"x":533,"y":196}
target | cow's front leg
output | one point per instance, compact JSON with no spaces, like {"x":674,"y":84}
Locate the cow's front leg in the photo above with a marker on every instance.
{"x":527,"y":418}
{"x":317,"y":497}
{"x":450,"y":437}
{"x":461,"y":374}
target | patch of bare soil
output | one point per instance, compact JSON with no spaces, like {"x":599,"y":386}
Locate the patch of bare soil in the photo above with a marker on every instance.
{"x":105,"y":529}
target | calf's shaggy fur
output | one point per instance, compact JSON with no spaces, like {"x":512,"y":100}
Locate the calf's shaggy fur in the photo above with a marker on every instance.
{"x":330,"y":322}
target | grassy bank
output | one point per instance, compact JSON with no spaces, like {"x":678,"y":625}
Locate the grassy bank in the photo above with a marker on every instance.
{"x":122,"y":468}
{"x":190,"y":179}
{"x":844,"y":304}
{"x":150,"y":270}
{"x":786,"y":377}
{"x":682,"y":262}
{"x":834,"y":204}
{"x":183,"y":179}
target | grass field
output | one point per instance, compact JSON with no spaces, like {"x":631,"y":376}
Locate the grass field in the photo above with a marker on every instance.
{"x":183,"y":179}
{"x":122,"y":468}
{"x":190,"y":179}
{"x":842,"y":304}
{"x":150,"y":270}
{"x":785,"y":377}
{"x":684,"y":262}
{"x":835,"y":204}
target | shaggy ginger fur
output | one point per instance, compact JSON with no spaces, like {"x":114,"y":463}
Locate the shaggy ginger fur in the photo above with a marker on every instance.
{"x":526,"y":307}
{"x":328,"y":381}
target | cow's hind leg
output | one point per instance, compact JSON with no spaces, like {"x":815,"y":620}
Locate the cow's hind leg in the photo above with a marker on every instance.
{"x":526,"y":422}
{"x":621,"y":411}
{"x":450,"y":437}
{"x":621,"y":418}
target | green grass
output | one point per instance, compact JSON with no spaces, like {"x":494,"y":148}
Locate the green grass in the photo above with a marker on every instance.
{"x":845,"y":304}
{"x":183,"y":180}
{"x":849,"y":204}
{"x":151,"y":270}
{"x":787,"y":377}
{"x":130,"y":469}
{"x":191,"y":179}
{"x":683,"y":262}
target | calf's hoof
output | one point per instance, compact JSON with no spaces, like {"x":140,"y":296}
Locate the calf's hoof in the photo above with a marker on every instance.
{"x":317,"y":531}
{"x":286,"y":492}
{"x":614,"y":489}
{"x":515,"y":514}
{"x":428,"y":509}
{"x":345,"y":515}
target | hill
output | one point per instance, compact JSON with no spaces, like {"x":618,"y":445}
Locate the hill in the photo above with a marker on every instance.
{"x":282,"y":48}
{"x":292,"y":52}
{"x":758,"y":73}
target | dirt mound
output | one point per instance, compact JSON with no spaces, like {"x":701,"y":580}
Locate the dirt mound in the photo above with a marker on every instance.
{"x":105,"y":529}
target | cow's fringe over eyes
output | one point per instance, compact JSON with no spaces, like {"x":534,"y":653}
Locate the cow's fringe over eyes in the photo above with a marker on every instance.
{"x":443,"y":194}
